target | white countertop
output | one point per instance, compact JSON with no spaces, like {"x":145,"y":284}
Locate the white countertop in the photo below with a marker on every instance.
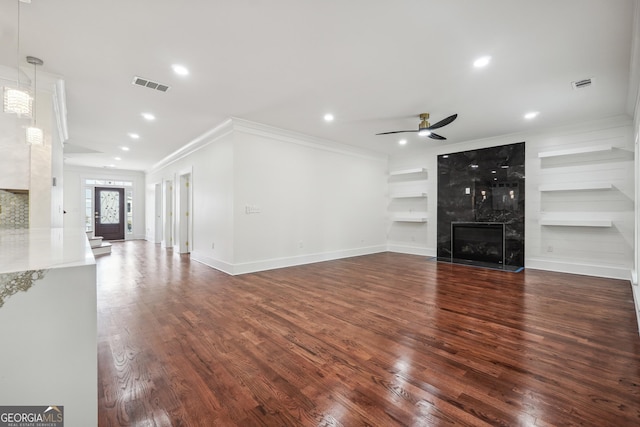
{"x":43,"y":248}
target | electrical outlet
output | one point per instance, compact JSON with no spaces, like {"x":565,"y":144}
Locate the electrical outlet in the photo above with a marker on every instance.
{"x":213,"y":245}
{"x":549,"y":248}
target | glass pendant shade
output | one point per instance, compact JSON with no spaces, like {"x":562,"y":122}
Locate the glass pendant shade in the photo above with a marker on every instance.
{"x":35,"y":136}
{"x":17,"y":101}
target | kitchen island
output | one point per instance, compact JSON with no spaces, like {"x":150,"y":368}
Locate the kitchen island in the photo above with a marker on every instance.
{"x":48,"y":326}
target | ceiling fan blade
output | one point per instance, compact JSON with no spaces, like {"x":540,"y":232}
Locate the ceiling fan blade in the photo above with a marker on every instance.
{"x":443,"y":122}
{"x":436,"y":136}
{"x":396,"y":131}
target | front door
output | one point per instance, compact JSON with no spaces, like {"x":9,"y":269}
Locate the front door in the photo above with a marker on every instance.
{"x":109,"y":214}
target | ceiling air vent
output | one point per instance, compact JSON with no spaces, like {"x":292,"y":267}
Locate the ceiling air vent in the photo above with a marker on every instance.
{"x":581,"y":84}
{"x":150,"y":84}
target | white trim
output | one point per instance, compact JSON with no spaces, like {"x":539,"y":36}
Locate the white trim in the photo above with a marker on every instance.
{"x":270,"y":264}
{"x":633,"y":99}
{"x":411,"y":250}
{"x":246,"y":126}
{"x":582,"y":269}
{"x":284,"y":135}
{"x":203,"y":140}
{"x":635,"y":289}
{"x":200,"y":257}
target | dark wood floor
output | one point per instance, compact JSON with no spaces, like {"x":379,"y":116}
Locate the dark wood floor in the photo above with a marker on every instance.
{"x":379,"y":340}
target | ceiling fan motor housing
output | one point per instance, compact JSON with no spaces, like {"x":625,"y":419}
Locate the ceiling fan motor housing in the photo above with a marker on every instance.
{"x":424,"y":123}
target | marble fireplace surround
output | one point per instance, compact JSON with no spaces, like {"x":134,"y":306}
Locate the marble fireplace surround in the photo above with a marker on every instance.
{"x":483,"y":186}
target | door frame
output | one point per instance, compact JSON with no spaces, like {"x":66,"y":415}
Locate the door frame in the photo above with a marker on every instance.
{"x":157,"y":238}
{"x":167,"y":214}
{"x":111,"y":231}
{"x":184,"y":215}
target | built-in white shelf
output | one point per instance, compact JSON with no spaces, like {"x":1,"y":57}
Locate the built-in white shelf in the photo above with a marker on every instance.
{"x":407,"y":171}
{"x":577,"y":186}
{"x":409,"y":217}
{"x":574,"y":151}
{"x":409,"y":195}
{"x":576,"y":222}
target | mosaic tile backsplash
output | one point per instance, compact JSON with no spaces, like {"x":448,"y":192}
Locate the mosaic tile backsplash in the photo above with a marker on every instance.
{"x":14,"y":209}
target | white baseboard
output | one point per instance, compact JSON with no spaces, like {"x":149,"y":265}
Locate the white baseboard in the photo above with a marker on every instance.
{"x":584,"y":269}
{"x":635,"y":289}
{"x":411,"y":250}
{"x":225,"y":267}
{"x":270,"y":264}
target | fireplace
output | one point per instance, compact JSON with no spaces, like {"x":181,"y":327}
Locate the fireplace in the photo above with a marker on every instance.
{"x":478,"y":242}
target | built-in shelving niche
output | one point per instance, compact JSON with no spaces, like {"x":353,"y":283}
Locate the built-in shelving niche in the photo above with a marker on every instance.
{"x":569,"y":158}
{"x":407,"y":209}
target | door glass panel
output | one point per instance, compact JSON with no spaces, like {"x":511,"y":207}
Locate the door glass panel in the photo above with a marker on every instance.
{"x":109,"y":207}
{"x":88,"y":209}
{"x":129,"y":212}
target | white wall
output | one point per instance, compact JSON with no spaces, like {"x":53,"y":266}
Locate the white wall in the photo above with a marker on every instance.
{"x":211,"y":166}
{"x":306,"y":202}
{"x":598,"y":251}
{"x":309,"y":200}
{"x":57,"y":172}
{"x":74,"y":204}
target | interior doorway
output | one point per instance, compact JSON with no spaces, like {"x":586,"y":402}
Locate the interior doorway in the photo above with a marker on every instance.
{"x":167,"y":226}
{"x":109,"y":215}
{"x":158,"y":214}
{"x":184,"y":214}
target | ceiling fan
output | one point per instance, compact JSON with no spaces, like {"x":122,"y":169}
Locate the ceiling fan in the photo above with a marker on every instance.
{"x":424,"y":128}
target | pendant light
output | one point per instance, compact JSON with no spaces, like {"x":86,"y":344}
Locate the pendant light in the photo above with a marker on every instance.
{"x":16,"y":100}
{"x":34,"y":133}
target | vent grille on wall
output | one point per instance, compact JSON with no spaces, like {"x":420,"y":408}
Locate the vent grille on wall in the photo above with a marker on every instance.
{"x":150,"y":84}
{"x":580,"y":84}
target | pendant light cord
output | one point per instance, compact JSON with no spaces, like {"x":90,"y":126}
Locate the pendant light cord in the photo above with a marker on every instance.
{"x":35,"y":95}
{"x":18,"y":49}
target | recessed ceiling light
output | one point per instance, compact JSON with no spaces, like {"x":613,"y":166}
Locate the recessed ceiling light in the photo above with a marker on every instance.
{"x":180,"y":70}
{"x":402,"y":142}
{"x":531,"y":115}
{"x":124,"y":148}
{"x":328,"y":117}
{"x":148,"y":116}
{"x":482,"y":62}
{"x":134,"y":135}
{"x":117,"y":158}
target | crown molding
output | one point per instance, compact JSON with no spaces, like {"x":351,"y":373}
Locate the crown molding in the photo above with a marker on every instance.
{"x":267,"y":131}
{"x":633,"y":100}
{"x":223,"y":129}
{"x":235,"y":124}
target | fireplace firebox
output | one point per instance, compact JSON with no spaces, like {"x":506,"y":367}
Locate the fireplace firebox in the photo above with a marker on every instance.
{"x":478,"y":242}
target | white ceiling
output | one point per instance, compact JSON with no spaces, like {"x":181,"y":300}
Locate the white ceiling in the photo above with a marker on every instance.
{"x":374,"y":64}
